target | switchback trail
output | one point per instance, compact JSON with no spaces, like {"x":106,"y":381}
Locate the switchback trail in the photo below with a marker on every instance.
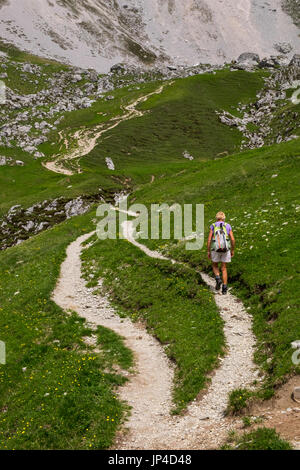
{"x":86,"y":139}
{"x":149,"y":390}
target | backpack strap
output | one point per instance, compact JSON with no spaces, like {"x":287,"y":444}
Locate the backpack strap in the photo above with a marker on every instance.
{"x":214,"y":234}
{"x":225,"y":230}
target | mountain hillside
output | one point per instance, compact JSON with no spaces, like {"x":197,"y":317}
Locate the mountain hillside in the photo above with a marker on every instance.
{"x":99,"y":33}
{"x":124,"y":343}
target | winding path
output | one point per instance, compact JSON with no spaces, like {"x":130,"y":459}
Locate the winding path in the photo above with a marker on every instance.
{"x":149,"y":390}
{"x":86,"y":139}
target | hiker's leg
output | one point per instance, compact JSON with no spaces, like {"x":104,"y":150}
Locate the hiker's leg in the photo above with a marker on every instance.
{"x":224,"y":273}
{"x":217,"y":275}
{"x":216,"y":269}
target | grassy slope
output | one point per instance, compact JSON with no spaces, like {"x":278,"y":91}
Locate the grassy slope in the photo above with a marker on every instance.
{"x":247,"y":188}
{"x":260,"y":196}
{"x":55,"y":392}
{"x":182,"y":117}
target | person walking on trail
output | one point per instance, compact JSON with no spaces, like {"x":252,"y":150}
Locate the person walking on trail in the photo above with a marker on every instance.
{"x":220,"y":248}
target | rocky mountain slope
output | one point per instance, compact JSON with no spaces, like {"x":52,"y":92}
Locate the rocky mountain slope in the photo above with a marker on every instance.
{"x":99,"y":33}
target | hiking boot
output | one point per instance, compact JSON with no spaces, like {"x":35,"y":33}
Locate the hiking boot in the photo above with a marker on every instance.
{"x":224,"y":289}
{"x":218,"y":283}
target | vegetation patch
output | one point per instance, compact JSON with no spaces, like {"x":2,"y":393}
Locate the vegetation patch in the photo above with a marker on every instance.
{"x":260,"y":439}
{"x":178,"y":309}
{"x":56,"y":392}
{"x":238,"y":401}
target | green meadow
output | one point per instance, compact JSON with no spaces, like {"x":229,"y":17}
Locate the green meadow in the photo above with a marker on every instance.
{"x":58,"y":393}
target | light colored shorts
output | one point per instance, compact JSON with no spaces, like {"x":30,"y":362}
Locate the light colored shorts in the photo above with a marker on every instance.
{"x":221,"y":257}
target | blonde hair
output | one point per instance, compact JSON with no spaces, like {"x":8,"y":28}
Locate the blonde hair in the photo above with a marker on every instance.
{"x":220,"y":216}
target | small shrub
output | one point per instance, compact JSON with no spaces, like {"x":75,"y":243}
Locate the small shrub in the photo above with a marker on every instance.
{"x":260,"y":439}
{"x":247,"y":421}
{"x":238,"y":401}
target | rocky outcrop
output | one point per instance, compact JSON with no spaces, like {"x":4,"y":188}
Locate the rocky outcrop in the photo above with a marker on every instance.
{"x":257,"y":122}
{"x":283,"y":47}
{"x":269,"y":62}
{"x":8,"y":161}
{"x":27,"y":120}
{"x":99,"y":33}
{"x":19,"y":223}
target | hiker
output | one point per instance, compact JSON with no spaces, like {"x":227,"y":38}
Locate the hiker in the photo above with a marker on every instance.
{"x":220,"y":248}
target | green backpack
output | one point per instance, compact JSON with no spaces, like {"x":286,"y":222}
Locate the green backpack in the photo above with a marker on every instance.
{"x":221,"y":241}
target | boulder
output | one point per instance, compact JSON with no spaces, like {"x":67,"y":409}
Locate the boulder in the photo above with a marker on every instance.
{"x":110,"y":164}
{"x":187,"y":155}
{"x":248,"y":57}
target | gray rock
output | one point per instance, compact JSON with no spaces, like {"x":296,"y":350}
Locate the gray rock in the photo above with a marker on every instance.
{"x":30,"y":149}
{"x":93,"y":76}
{"x":110,"y":164}
{"x":41,"y":226}
{"x":28,"y":68}
{"x":29,"y":226}
{"x":77,"y":78}
{"x":283,"y":47}
{"x":187,"y":155}
{"x":14,"y":209}
{"x":269,"y":62}
{"x":38,"y":155}
{"x":295,"y":61}
{"x":248,"y":57}
{"x":76,"y":207}
{"x":24,"y":129}
{"x":118,"y":68}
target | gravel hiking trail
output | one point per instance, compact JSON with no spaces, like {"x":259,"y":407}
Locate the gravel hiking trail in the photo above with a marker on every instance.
{"x":149,"y":388}
{"x":86,"y":139}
